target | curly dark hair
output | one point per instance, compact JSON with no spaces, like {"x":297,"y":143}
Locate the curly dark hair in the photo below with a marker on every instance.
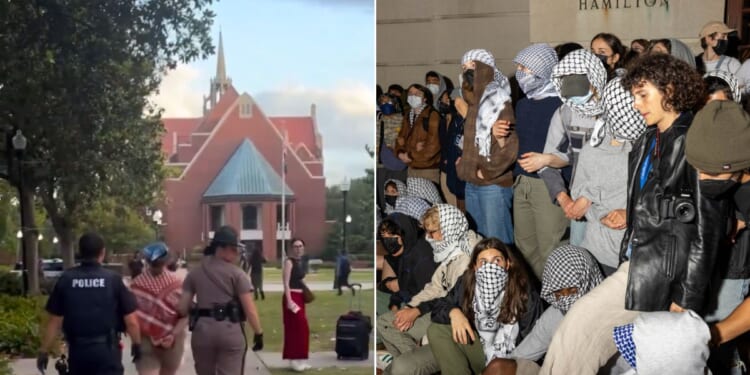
{"x":681,"y":85}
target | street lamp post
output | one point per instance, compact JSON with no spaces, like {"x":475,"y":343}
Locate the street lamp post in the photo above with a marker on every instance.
{"x":344,"y":190}
{"x":19,"y":145}
{"x":156,"y":217}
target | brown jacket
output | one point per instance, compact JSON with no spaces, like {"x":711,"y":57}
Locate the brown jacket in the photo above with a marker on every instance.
{"x":498,"y":170}
{"x":409,"y":136}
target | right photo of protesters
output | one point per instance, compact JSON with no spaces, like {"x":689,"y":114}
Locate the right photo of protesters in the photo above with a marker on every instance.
{"x":609,"y":190}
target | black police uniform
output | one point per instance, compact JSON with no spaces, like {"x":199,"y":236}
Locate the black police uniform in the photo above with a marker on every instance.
{"x":92,"y":301}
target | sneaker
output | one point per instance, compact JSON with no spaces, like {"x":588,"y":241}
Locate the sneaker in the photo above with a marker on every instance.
{"x":299,"y":366}
{"x":384,"y":360}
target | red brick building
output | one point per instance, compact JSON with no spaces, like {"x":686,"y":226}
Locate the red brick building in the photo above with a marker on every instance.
{"x":226,"y":167}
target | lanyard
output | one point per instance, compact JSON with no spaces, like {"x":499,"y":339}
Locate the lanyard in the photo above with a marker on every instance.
{"x":646,"y":166}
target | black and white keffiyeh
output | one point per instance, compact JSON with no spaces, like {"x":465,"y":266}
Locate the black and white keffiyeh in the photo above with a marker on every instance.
{"x":620,"y":119}
{"x":498,"y":339}
{"x":402,"y":192}
{"x":569,"y":266}
{"x":582,"y":61}
{"x":423,"y":188}
{"x":492,"y":103}
{"x":454,"y":228}
{"x":540,"y":58}
{"x":731,"y":81}
{"x":414,"y":207}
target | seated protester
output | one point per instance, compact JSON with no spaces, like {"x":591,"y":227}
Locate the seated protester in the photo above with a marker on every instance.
{"x":451,"y":239}
{"x":492,"y":307}
{"x":664,"y":342}
{"x":393,"y":189}
{"x":600,"y":184}
{"x":410,"y":258}
{"x":721,"y":85}
{"x":569,"y":274}
{"x":413,"y":207}
{"x":423,"y":188}
{"x":673,"y":229}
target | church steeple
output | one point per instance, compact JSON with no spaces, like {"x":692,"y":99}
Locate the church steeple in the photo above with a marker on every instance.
{"x":221,"y":69}
{"x":220,"y":83}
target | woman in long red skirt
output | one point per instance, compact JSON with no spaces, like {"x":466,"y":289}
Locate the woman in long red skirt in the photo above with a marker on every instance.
{"x":296,"y":329}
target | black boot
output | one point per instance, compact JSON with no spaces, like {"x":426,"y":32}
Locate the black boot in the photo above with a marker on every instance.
{"x":262,"y":295}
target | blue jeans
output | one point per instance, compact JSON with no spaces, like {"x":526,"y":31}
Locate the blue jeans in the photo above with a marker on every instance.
{"x":491,"y":209}
{"x":730,"y":294}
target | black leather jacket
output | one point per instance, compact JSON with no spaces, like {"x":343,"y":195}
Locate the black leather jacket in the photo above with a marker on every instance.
{"x":671,"y":261}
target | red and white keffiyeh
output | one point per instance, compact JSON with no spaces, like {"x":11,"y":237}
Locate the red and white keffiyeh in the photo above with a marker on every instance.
{"x":157,"y":297}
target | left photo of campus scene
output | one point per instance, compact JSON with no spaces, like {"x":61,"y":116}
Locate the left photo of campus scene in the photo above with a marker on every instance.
{"x":186,"y":187}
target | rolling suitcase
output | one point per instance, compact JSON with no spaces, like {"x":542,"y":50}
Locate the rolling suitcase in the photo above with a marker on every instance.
{"x":353,"y":333}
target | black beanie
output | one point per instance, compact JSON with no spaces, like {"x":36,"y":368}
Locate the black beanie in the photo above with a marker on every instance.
{"x":718,"y":140}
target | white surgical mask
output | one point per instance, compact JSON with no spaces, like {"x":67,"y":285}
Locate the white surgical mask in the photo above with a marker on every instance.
{"x":580,"y":100}
{"x":434,"y":89}
{"x":414,"y":101}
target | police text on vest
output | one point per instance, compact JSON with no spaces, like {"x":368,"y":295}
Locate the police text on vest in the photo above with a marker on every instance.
{"x":88,"y":283}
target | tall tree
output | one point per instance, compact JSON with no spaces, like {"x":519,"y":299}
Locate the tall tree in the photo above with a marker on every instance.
{"x":76,"y":75}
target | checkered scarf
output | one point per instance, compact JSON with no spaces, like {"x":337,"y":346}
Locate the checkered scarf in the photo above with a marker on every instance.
{"x":494,"y":97}
{"x":622,"y":121}
{"x":414,"y":207}
{"x":455,"y":228}
{"x":540,"y":59}
{"x":569,"y":266}
{"x":402,"y":192}
{"x":582,"y":62}
{"x":423,"y":188}
{"x":157,"y":298}
{"x":498,"y":340}
{"x":623,"y":336}
{"x":730,"y":79}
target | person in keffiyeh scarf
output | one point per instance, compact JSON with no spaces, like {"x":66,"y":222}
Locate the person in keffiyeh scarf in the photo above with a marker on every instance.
{"x":489,"y":148}
{"x":570,"y":273}
{"x":582,"y":62}
{"x":489,"y":310}
{"x":413,"y":207}
{"x":601,"y":175}
{"x":423,"y":188}
{"x":158,"y":293}
{"x":393,"y":189}
{"x":493,"y":99}
{"x":723,"y":82}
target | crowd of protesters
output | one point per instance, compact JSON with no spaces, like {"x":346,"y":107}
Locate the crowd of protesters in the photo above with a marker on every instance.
{"x":584,"y":216}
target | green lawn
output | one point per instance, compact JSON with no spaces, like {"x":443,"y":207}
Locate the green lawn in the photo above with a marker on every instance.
{"x":321,"y":315}
{"x":271,"y":275}
{"x":329,"y":370}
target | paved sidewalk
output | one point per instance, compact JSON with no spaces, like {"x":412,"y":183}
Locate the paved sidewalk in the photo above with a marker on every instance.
{"x":255,"y":363}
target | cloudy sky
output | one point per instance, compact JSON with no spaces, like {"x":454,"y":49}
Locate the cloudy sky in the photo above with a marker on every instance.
{"x":288,"y":54}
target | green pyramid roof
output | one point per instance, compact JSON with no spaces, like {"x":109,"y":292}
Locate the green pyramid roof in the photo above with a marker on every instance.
{"x":246,"y":173}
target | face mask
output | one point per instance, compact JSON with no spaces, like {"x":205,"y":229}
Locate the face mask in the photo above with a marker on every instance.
{"x":414,"y":101}
{"x":391,"y":199}
{"x":433,"y":88}
{"x":714,"y":189}
{"x":469,"y":77}
{"x":433,"y":242}
{"x":742,"y":200}
{"x":565,"y":303}
{"x":603,"y":59}
{"x":529,"y":83}
{"x":387,"y":108}
{"x":721,"y":46}
{"x":391,"y":244}
{"x":580,"y":100}
{"x":444,"y":108}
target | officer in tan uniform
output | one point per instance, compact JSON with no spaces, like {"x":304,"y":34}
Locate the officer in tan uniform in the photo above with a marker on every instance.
{"x":224,"y":301}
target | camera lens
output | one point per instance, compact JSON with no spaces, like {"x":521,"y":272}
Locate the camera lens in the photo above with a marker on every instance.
{"x":685,"y":211}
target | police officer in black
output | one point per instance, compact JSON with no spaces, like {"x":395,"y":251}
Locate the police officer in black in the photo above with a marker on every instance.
{"x":92,"y":305}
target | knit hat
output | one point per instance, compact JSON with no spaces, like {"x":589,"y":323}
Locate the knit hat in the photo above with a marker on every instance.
{"x":718,"y":139}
